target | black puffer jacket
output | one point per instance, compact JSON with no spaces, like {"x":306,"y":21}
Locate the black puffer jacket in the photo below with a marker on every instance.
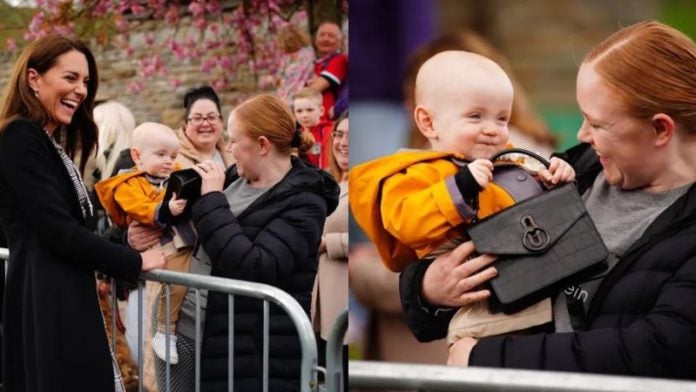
{"x":274,"y":241}
{"x":642,"y":320}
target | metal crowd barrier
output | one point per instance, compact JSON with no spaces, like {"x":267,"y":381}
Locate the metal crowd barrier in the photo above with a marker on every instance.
{"x":334,"y":354}
{"x":369,"y":374}
{"x":267,"y":293}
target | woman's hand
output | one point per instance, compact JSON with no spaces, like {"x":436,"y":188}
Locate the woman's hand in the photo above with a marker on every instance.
{"x":212,"y":176}
{"x":141,"y":237}
{"x":460,"y":351}
{"x":450,"y":279}
{"x":153,"y":258}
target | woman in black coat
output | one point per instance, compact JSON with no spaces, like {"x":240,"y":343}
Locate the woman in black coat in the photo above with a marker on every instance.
{"x":262,"y":222}
{"x":636,"y":173}
{"x":54,"y":333}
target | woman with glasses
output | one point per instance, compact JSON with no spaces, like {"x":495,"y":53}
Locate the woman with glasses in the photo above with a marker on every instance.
{"x":201,"y":135}
{"x":201,"y":138}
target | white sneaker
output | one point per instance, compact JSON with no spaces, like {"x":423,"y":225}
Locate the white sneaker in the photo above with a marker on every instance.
{"x":158,"y":345}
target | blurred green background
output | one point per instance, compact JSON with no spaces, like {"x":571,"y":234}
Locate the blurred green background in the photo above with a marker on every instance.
{"x":545,"y":40}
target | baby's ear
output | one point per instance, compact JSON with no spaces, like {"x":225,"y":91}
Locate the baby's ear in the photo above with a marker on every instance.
{"x":135,"y":154}
{"x":424,"y":121}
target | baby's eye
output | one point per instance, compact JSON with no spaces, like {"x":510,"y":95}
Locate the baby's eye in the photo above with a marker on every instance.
{"x":474,"y":116}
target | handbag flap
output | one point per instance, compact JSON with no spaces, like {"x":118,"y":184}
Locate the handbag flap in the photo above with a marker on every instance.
{"x":186,"y":184}
{"x":530,"y":226}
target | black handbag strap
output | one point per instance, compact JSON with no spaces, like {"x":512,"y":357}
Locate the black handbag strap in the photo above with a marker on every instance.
{"x":522,"y":151}
{"x":506,"y":151}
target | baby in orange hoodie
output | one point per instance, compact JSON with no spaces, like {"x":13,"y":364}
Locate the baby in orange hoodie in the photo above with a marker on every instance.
{"x":139,"y":195}
{"x":417,"y":204}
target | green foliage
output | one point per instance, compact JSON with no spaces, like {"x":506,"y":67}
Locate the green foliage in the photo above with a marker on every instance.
{"x":13,"y":22}
{"x":680,"y":14}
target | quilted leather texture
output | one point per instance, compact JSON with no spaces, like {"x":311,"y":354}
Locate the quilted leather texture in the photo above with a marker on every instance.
{"x":573,"y":243}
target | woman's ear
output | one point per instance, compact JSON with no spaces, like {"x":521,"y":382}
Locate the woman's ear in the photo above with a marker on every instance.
{"x":264,"y":145}
{"x":663,"y":126}
{"x":424,"y":121}
{"x":32,"y":79}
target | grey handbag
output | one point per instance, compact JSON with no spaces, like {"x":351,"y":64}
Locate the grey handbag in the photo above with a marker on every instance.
{"x":541,"y":242}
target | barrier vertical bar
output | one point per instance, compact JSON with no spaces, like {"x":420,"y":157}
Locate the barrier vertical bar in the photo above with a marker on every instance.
{"x":266,"y":343}
{"x":166,"y":338}
{"x":230,"y":343}
{"x":112,"y":281}
{"x":334,"y":354}
{"x":141,"y":291}
{"x":198,"y":340}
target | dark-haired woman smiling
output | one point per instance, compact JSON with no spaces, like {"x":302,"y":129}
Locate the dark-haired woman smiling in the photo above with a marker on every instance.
{"x":54,"y":333}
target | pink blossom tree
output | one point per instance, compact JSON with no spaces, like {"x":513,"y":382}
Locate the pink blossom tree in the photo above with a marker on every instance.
{"x":221,"y":37}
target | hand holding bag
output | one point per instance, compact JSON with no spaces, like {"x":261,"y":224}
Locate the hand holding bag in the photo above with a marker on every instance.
{"x":541,"y":243}
{"x":186,"y":184}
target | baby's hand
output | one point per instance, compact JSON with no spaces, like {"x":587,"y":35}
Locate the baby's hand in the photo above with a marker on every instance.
{"x":559,"y":171}
{"x":482,"y":170}
{"x":176,"y":206}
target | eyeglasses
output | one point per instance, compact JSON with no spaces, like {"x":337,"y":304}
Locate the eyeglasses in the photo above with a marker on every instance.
{"x":339,"y":134}
{"x":211,"y":118}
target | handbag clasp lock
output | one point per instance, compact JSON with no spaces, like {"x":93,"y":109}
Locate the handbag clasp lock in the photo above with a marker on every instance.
{"x":534,"y":238}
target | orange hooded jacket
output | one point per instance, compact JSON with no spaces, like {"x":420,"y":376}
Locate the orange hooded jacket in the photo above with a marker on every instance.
{"x":130,"y":196}
{"x":406,"y":204}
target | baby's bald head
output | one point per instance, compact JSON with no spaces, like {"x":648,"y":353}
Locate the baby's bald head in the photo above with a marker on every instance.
{"x":154,"y":135}
{"x":463,"y":103}
{"x":154,"y":148}
{"x":457,"y":71}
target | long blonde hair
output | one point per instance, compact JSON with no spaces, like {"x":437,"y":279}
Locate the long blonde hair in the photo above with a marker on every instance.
{"x":116,"y":123}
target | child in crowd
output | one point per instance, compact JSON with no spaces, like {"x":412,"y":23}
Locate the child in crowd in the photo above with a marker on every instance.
{"x":139,"y":195}
{"x":417,"y":204}
{"x":308,"y":110}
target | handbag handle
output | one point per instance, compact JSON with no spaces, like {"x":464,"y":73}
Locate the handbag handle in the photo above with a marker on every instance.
{"x":522,"y":151}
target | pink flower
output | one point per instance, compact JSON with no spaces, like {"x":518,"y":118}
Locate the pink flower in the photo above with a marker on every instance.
{"x":138,"y":9}
{"x":128,"y":49}
{"x":219,"y":84}
{"x":121,"y":23}
{"x":200,"y":23}
{"x":225,"y":63}
{"x":135,"y":87}
{"x":149,"y":39}
{"x":175,"y":82}
{"x":11,"y":44}
{"x":214,"y":7}
{"x":196,"y":8}
{"x":172,"y":15}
